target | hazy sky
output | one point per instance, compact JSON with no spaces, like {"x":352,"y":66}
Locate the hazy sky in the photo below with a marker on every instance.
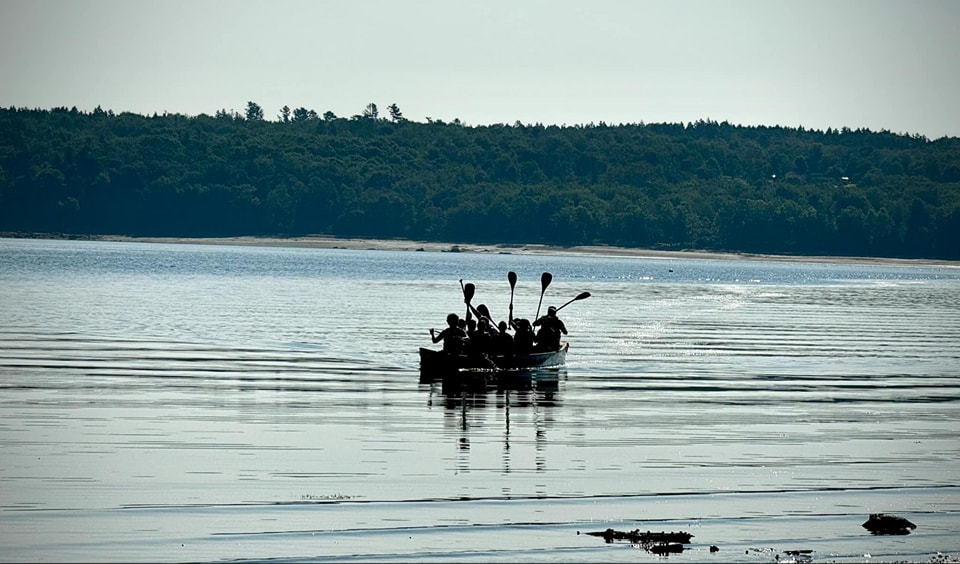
{"x":880,"y":64}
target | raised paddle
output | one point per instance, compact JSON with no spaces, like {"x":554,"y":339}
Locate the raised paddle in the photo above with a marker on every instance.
{"x":468,"y":291}
{"x":485,"y":311}
{"x":512,"y":278}
{"x":545,"y":280}
{"x":581,"y":296}
{"x":476,"y":311}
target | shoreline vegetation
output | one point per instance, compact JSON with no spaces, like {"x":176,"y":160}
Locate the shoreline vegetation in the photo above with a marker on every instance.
{"x":327,"y":242}
{"x":704,"y":186}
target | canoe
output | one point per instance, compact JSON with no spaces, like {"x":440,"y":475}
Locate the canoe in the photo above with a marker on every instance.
{"x":439,"y":363}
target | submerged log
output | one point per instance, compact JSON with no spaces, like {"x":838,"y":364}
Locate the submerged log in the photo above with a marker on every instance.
{"x":647,"y":538}
{"x":882,"y":524}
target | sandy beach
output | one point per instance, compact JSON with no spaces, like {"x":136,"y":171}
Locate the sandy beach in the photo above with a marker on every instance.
{"x":322,"y":242}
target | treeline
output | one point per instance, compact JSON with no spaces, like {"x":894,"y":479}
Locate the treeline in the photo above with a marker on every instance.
{"x":703,"y":185}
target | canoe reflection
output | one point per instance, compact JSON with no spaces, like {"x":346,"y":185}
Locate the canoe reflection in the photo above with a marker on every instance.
{"x":455,"y":383}
{"x":473,"y":401}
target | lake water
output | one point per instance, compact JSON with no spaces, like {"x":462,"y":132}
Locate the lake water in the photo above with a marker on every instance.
{"x":208,"y":403}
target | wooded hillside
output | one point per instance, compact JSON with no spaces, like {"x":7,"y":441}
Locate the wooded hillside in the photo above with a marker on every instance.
{"x":703,"y":185}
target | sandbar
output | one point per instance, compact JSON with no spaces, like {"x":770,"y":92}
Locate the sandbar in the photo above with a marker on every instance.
{"x":325,"y":242}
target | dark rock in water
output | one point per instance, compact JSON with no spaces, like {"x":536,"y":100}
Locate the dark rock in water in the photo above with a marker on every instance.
{"x":714,"y":548}
{"x":882,"y":524}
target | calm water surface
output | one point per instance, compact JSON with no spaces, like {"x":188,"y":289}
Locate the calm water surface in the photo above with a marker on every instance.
{"x":216,"y":403}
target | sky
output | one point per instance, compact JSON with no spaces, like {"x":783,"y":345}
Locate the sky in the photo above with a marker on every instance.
{"x":878,"y":64}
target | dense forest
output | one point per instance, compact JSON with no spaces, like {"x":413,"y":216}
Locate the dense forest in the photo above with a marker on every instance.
{"x":703,"y":185}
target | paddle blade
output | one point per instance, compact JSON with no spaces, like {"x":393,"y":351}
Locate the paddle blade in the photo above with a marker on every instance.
{"x":545,"y":280}
{"x":512,"y":277}
{"x":468,"y":290}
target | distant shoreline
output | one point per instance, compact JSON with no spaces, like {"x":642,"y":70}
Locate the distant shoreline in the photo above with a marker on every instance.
{"x":323,"y":242}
